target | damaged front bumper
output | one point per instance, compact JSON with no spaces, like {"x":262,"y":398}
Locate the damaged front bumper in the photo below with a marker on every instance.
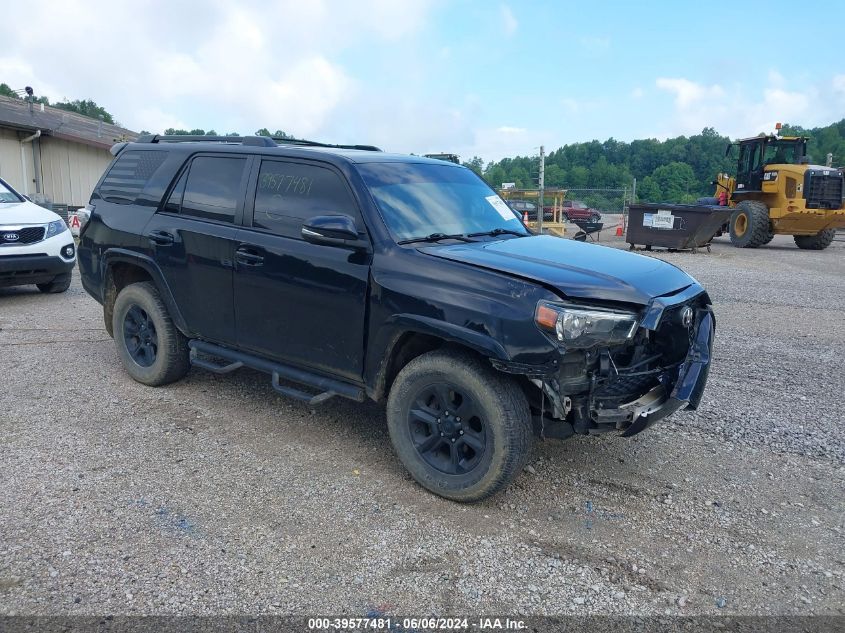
{"x":688,"y":386}
{"x":627,"y":388}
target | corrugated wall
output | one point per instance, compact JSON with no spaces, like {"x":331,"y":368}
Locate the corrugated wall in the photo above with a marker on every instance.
{"x":69,"y":171}
{"x":11,"y":169}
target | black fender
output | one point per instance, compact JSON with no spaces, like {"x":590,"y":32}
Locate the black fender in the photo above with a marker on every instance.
{"x":121,"y":255}
{"x":477,"y":341}
{"x":383,"y":346}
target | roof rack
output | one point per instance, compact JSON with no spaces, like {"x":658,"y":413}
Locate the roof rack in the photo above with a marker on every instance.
{"x":258,"y":141}
{"x":301,"y":141}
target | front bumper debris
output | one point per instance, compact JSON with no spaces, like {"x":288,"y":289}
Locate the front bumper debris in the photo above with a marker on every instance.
{"x":688,"y":386}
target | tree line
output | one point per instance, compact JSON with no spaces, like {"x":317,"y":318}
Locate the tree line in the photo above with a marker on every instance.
{"x":200,"y":132}
{"x":679,"y":169}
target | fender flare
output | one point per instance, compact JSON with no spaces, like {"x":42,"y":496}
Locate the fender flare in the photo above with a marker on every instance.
{"x":481,"y":343}
{"x":121,"y":255}
{"x":398,"y":325}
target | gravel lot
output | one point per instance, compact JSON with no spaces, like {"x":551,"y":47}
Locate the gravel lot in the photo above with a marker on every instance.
{"x":215,"y":495}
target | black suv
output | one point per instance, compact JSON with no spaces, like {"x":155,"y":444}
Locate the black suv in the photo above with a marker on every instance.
{"x":346,"y":271}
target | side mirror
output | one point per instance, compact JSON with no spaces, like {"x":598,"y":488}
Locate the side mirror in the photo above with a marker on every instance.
{"x":330,"y":230}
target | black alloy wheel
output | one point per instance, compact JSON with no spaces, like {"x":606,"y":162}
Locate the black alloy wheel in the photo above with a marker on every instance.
{"x":447,"y":429}
{"x":140,"y":336}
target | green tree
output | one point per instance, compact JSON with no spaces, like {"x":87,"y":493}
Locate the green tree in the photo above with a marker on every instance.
{"x":277,"y":134}
{"x":676,"y":180}
{"x":476,"y":164}
{"x":86,"y":107}
{"x":649,"y":191}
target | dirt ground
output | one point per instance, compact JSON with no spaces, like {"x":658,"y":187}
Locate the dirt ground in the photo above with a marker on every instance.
{"x":215,"y":495}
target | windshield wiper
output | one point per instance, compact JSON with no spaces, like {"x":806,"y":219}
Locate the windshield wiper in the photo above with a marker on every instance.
{"x":436,"y":237}
{"x":496,"y":232}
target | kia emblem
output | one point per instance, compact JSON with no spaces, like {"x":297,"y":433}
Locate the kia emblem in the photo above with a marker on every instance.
{"x":11,"y":237}
{"x":686,"y":317}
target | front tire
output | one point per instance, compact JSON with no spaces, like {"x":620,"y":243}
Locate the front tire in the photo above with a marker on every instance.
{"x":461,"y":429}
{"x":154,"y":352}
{"x":817,"y":242}
{"x":750,"y":226}
{"x":59,"y":283}
{"x":595,"y":218}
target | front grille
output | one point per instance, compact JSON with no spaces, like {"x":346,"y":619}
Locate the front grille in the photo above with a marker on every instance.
{"x":823,"y":191}
{"x":27,"y":235}
{"x":626,"y":387}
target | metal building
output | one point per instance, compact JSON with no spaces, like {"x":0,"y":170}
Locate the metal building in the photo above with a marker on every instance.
{"x":51,"y":155}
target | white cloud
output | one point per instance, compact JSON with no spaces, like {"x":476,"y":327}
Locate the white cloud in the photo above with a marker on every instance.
{"x":509,"y":21}
{"x":688,"y":93}
{"x":731,"y":110}
{"x":238,"y":66}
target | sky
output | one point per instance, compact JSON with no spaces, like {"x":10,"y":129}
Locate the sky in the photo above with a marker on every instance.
{"x":487,"y":78}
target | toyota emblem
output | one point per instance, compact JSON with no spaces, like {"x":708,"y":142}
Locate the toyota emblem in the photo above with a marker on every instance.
{"x":686,"y":317}
{"x":11,"y":237}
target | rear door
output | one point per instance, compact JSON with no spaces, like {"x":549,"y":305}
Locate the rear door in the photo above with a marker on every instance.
{"x":193,"y":237}
{"x":300,"y":302}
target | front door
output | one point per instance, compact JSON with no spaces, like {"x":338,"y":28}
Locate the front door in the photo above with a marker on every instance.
{"x":300,"y":302}
{"x":749,"y":175}
{"x":193,"y":237}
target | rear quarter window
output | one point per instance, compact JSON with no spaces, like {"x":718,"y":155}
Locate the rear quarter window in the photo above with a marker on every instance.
{"x":129,"y":174}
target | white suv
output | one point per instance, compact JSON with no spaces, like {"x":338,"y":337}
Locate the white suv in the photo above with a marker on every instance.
{"x":36,"y":246}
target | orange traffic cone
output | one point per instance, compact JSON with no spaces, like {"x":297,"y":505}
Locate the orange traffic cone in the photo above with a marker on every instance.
{"x":525,"y":217}
{"x":619,"y":231}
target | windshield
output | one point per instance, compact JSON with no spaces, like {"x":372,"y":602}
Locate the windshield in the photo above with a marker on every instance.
{"x":418,"y":199}
{"x":6,"y":193}
{"x":782,"y":153}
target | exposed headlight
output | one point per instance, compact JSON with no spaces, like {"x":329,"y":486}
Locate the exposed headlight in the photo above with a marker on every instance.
{"x":580,"y":328}
{"x":54,"y":228}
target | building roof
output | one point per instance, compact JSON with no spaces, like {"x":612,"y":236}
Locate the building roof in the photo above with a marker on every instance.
{"x":17,"y":113}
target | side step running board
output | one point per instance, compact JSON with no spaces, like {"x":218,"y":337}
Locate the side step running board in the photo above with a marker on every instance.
{"x":233,"y":360}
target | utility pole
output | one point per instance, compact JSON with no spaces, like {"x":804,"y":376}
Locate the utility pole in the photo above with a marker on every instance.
{"x":625,"y":210}
{"x":542,"y":186}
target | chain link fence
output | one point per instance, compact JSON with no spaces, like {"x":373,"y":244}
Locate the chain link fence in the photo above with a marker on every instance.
{"x":607,"y":201}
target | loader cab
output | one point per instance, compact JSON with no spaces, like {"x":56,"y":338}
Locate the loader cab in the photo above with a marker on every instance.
{"x":758,"y":152}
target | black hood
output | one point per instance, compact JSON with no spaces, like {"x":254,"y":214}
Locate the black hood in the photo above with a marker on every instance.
{"x":573,"y":268}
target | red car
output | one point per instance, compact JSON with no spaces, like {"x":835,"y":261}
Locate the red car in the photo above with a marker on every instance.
{"x":577,"y":210}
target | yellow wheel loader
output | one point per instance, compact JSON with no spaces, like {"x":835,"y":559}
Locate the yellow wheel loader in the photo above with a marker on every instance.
{"x":777,"y":192}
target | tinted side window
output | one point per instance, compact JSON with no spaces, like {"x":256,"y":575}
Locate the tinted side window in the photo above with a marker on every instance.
{"x":129,"y":175}
{"x":175,"y":199}
{"x":287,"y":194}
{"x":213,"y":188}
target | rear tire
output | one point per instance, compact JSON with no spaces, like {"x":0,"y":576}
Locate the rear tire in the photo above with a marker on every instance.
{"x":462,"y":430}
{"x":750,"y":226}
{"x":59,"y":283}
{"x":817,"y":242}
{"x":154,"y":352}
